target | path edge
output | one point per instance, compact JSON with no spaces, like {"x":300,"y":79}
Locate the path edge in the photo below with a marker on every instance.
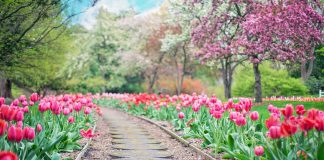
{"x":180,"y":139}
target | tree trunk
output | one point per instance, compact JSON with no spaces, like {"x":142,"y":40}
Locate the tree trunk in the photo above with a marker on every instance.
{"x":5,"y":88}
{"x":257,"y":84}
{"x":227,"y":73}
{"x":153,"y":78}
{"x":306,"y":70}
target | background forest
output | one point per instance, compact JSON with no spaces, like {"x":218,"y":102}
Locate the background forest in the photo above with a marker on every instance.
{"x":43,"y":49}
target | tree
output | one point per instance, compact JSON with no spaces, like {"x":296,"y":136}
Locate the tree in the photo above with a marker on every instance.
{"x":216,"y":32}
{"x":283,"y":30}
{"x":24,"y":25}
{"x":105,"y":59}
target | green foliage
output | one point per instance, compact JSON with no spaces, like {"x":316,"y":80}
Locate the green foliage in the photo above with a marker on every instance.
{"x":274,"y":82}
{"x":314,"y":84}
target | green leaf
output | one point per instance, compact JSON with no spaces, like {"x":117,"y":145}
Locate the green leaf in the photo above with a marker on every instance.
{"x":320,"y":152}
{"x":230,"y":140}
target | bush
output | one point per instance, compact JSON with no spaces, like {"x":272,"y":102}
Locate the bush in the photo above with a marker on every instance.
{"x":274,"y":82}
{"x":314,"y":85}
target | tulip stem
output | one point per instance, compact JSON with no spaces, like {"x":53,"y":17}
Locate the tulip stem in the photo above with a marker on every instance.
{"x":25,"y":151}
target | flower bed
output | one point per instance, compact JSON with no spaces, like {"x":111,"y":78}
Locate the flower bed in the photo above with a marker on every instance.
{"x":41,"y":128}
{"x":232,"y":128}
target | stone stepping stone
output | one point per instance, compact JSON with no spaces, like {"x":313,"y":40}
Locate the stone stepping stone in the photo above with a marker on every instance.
{"x":139,"y":147}
{"x":132,"y":136}
{"x":145,"y":159}
{"x":135,"y":141}
{"x":141,"y":154}
{"x":129,"y":133}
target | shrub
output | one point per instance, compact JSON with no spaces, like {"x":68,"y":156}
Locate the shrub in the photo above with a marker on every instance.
{"x":274,"y":82}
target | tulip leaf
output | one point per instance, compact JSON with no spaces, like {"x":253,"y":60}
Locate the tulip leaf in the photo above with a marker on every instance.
{"x":231,"y":142}
{"x":320,"y":152}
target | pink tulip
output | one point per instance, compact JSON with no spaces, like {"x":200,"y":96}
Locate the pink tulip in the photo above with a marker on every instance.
{"x":34,"y":97}
{"x":66,"y":111}
{"x":258,"y":151}
{"x":15,"y":102}
{"x":87,"y":110}
{"x":20,"y":124}
{"x":181,"y":115}
{"x":77,"y":107}
{"x":254,"y":115}
{"x":274,"y":132}
{"x":29,"y":133}
{"x":24,"y":103}
{"x":15,"y":134}
{"x":2,"y":101}
{"x":19,"y":116}
{"x":31,"y":103}
{"x":240,"y":121}
{"x":26,"y":109}
{"x":233,"y":116}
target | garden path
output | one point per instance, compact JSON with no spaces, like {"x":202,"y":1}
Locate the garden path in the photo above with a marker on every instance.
{"x":130,"y":141}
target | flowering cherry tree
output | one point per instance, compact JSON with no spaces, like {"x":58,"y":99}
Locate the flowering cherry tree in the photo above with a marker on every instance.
{"x":278,"y":30}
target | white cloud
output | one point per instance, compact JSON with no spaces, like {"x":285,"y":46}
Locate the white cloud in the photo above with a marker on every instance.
{"x":88,"y":18}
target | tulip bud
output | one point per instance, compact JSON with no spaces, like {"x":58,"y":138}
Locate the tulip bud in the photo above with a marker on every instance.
{"x":254,"y":115}
{"x":24,"y":103}
{"x":39,"y":128}
{"x":15,"y":102}
{"x":217,"y":114}
{"x":31,"y":103}
{"x":233,"y":116}
{"x":71,"y":119}
{"x":258,"y":151}
{"x":181,"y":115}
{"x":87,"y":110}
{"x":26,"y":109}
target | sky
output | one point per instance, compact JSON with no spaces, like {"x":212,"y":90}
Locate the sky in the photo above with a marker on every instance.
{"x":87,"y":19}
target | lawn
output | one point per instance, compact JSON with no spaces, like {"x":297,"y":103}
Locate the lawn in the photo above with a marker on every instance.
{"x":262,"y":108}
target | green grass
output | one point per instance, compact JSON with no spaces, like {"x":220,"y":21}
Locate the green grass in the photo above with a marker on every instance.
{"x":262,"y":109}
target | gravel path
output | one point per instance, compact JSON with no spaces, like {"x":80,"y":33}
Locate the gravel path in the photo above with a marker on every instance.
{"x":118,"y":133}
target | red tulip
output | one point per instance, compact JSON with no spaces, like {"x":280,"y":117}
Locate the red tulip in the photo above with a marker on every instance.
{"x":258,"y":151}
{"x":288,"y":111}
{"x":87,"y":134}
{"x":300,"y":110}
{"x":272,"y":121}
{"x":312,"y":113}
{"x":217,"y":114}
{"x":7,"y":113}
{"x":8,"y":155}
{"x":39,"y":128}
{"x":240,"y":121}
{"x":34,"y":97}
{"x":181,"y":115}
{"x":15,"y":134}
{"x":254,"y":115}
{"x":3,"y":127}
{"x":307,"y":124}
{"x":274,"y":132}
{"x":71,"y":119}
{"x":319,"y":124}
{"x":288,"y":129}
